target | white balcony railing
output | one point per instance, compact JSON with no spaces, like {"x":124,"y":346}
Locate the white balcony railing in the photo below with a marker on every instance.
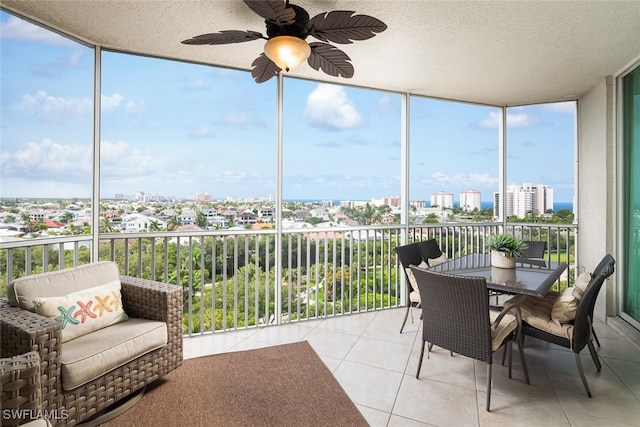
{"x":244,"y":279}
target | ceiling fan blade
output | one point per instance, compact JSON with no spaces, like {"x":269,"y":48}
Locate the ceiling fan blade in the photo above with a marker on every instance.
{"x":274,"y":11}
{"x":263,"y":69}
{"x":225,"y":37}
{"x":339,"y":26}
{"x":330,"y":59}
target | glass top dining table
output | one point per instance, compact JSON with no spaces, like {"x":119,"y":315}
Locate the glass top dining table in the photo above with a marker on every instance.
{"x":534,"y":277}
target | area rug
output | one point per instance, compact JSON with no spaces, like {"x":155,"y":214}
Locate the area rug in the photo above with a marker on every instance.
{"x":284,"y":385}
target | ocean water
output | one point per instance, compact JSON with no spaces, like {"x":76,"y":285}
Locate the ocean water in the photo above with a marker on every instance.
{"x":556,"y":206}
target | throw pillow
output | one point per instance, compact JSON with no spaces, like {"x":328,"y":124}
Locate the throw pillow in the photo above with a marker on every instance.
{"x":582,"y":281}
{"x":437,"y":261}
{"x":565,"y":306}
{"x":84,"y":311}
{"x":412,"y":278}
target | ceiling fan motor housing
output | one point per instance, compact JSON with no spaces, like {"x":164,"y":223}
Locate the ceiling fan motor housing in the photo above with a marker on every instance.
{"x":297,"y":29}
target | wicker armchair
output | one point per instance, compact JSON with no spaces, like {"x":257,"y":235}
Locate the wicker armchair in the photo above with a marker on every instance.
{"x":20,"y":390}
{"x":24,"y":331}
{"x":456,"y":317}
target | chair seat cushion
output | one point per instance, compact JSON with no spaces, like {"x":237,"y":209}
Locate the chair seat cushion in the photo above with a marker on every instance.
{"x":92,"y":355}
{"x":506,"y":326}
{"x":414,"y":296}
{"x":537,"y":313}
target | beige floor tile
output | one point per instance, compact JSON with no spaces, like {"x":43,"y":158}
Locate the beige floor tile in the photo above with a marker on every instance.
{"x":381,"y":354}
{"x":369,"y":386}
{"x":437,"y":403}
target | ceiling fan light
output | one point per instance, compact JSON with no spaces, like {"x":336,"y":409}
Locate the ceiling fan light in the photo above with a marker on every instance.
{"x":287,"y":51}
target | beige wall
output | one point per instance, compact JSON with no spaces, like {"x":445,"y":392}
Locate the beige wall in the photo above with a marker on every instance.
{"x":597,"y":195}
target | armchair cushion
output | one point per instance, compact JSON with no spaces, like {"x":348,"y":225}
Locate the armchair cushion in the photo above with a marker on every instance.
{"x":84,"y":311}
{"x":90,"y":356}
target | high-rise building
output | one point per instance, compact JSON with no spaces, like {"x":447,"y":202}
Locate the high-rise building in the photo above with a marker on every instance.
{"x":470,"y":200}
{"x":442,"y":199}
{"x":524,"y":199}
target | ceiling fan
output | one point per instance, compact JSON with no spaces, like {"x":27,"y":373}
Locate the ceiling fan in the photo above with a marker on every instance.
{"x":288,"y":26}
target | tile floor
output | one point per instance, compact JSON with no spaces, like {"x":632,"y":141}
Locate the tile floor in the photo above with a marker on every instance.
{"x":376,"y":366}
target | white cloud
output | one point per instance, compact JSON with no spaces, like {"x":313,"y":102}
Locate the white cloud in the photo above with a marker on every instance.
{"x":18,"y":29}
{"x":111,"y":152}
{"x":387,"y":104}
{"x":110,"y":102}
{"x":48,"y":160}
{"x":461,"y":180}
{"x":51,"y":108}
{"x":328,"y":106}
{"x":515,"y":119}
{"x":136,"y":107}
{"x":57,"y":66}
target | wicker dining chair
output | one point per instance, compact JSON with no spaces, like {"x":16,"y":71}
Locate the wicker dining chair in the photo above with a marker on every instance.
{"x":535,"y":251}
{"x":418,"y":253}
{"x":540,"y":318}
{"x":456,"y":317}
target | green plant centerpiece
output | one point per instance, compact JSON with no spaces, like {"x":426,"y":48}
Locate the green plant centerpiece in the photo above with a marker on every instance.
{"x":505,"y":248}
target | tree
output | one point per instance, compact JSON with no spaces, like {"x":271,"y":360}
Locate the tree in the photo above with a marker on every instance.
{"x":66,"y":217}
{"x":154,"y":226}
{"x":174,"y":223}
{"x":564,"y":216}
{"x":201,"y":220}
{"x":430,"y":219}
{"x":105,"y":225}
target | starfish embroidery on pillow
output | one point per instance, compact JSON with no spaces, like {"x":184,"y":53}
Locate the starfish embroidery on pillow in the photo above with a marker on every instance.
{"x":84,"y":311}
{"x":102,"y":305}
{"x":66,"y":316}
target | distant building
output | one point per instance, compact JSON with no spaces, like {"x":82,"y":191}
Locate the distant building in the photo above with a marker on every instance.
{"x":470,"y":200}
{"x":442,"y":199}
{"x":393,"y":201}
{"x":187,"y":217}
{"x":246,"y":218}
{"x":199,"y":197}
{"x":523,"y":199}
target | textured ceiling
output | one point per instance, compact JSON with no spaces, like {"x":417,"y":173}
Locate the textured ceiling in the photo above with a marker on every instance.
{"x":489,"y":52}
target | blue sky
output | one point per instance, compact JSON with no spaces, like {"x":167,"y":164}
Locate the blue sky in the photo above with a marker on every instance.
{"x":176,"y":129}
